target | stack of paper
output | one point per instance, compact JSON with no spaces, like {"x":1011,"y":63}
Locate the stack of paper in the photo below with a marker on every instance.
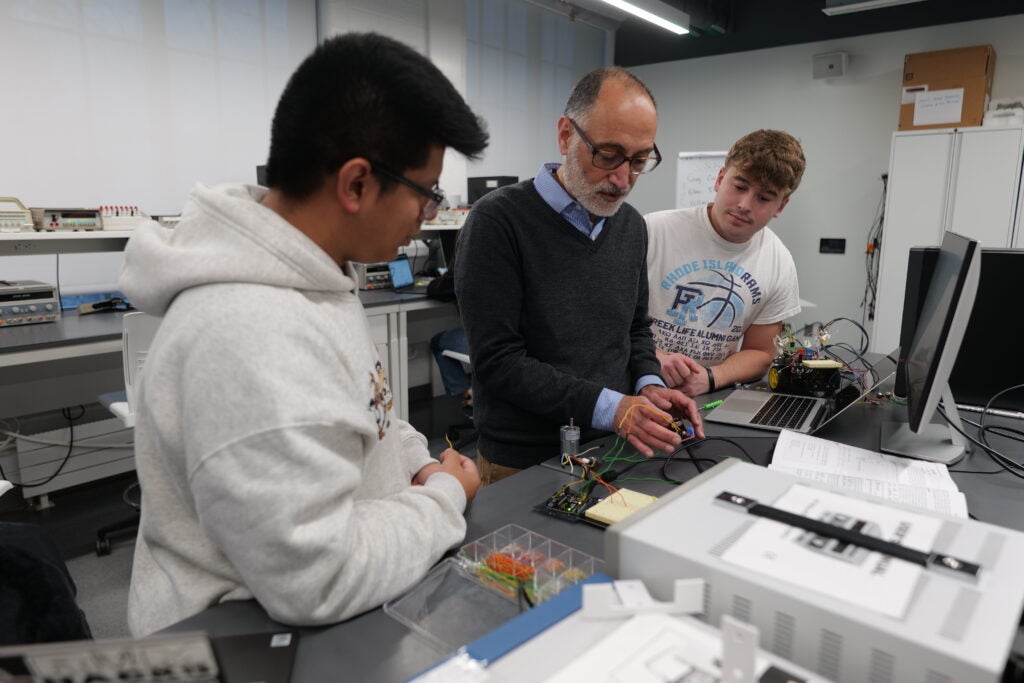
{"x":912,"y":482}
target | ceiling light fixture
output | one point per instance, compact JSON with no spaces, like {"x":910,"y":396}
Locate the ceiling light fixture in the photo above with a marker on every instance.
{"x":833,"y":7}
{"x":666,"y":16}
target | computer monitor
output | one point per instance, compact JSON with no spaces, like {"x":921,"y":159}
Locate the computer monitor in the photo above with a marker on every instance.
{"x":480,"y":185}
{"x":929,"y":360}
{"x":975,"y":379}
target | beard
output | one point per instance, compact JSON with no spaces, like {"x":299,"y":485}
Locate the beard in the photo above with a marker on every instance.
{"x":589,"y":196}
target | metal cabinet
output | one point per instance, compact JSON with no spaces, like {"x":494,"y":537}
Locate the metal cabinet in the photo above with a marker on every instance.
{"x":964,"y":180}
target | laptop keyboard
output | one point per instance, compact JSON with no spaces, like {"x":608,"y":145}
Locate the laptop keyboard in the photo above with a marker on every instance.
{"x":784,"y":412}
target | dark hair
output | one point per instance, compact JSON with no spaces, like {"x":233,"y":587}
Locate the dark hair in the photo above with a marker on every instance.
{"x":774,"y":158}
{"x":365,"y":95}
{"x":585,"y":93}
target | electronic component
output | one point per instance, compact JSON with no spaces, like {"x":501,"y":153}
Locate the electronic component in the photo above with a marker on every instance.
{"x":24,"y":302}
{"x":950,"y":628}
{"x":794,"y":374}
{"x":800,"y":369}
{"x":122,"y":217}
{"x":14,"y":219}
{"x":67,"y":219}
{"x":114,"y":304}
{"x":570,"y":439}
{"x":567,"y":504}
{"x":372,"y":275}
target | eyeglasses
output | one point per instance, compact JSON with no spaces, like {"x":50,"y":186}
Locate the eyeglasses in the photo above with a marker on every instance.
{"x":610,"y":158}
{"x":434,"y":195}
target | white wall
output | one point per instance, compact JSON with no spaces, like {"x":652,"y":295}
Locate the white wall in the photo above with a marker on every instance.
{"x":435,"y":28}
{"x":513,"y":61}
{"x":844,"y":124}
{"x":133,"y":101}
{"x":114,"y":102}
{"x":522,"y":62}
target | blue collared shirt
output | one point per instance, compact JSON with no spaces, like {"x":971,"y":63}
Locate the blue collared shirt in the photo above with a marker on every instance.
{"x":552,"y":192}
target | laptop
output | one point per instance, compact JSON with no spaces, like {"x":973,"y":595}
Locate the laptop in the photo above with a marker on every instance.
{"x":402,"y":280}
{"x":760,"y":409}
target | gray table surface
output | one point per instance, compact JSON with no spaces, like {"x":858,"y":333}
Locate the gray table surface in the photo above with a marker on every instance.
{"x":375,"y":647}
{"x":70,"y":329}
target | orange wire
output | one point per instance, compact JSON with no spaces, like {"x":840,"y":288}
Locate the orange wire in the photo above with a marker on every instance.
{"x":658,"y":413}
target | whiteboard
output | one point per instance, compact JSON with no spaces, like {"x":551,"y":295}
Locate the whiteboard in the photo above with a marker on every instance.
{"x":695,"y":177}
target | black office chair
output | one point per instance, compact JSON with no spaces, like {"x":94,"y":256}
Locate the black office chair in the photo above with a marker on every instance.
{"x":37,"y":593}
{"x":464,"y":433}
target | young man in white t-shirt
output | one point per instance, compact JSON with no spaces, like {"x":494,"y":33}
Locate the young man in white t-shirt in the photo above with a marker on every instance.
{"x":721,"y":282}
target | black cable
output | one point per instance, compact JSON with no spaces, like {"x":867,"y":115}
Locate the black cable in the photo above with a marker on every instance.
{"x":864,"y":361}
{"x":694,"y":461}
{"x":988,"y":407}
{"x":125,"y":496}
{"x":872,"y":259}
{"x":71,"y":446}
{"x":865,"y":337}
{"x":999,"y":430}
{"x":998,"y":457}
{"x":726,"y":440}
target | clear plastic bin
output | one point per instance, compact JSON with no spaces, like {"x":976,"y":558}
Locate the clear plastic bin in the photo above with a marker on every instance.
{"x":490,"y":581}
{"x":519,"y":563}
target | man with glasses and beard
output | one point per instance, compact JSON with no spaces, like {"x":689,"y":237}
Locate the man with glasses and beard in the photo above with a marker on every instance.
{"x":552,"y":286}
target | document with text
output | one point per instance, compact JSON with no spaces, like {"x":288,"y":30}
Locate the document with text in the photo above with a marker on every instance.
{"x":913,"y":482}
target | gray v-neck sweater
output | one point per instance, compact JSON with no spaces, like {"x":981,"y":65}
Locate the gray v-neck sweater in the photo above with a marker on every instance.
{"x":552,"y":318}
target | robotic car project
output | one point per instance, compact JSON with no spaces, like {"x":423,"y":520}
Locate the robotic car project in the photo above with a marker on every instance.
{"x":800,"y":368}
{"x":813,"y":368}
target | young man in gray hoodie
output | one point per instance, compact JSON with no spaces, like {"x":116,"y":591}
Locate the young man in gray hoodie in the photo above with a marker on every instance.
{"x":272,"y":464}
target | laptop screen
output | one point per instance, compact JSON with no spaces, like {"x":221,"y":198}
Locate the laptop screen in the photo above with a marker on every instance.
{"x":401,"y":273}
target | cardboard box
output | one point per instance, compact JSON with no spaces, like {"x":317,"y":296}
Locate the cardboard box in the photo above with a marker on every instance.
{"x":946,"y":88}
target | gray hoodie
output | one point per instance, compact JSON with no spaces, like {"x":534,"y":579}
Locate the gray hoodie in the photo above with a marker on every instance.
{"x":271,"y":463}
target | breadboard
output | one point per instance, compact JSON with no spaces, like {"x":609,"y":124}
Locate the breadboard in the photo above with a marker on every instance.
{"x":618,"y":506}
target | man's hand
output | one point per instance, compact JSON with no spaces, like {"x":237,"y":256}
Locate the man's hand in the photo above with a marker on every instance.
{"x":683,"y":373}
{"x":676,"y":403}
{"x":457,"y":465}
{"x":644,"y":425}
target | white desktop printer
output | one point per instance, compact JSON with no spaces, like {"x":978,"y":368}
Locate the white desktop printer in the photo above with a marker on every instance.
{"x":846,"y":612}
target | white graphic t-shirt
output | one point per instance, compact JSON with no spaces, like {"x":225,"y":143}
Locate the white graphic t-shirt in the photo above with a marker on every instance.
{"x":705,"y":291}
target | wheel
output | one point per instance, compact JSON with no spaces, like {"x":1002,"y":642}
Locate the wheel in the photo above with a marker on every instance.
{"x":773,"y":378}
{"x":102,"y":546}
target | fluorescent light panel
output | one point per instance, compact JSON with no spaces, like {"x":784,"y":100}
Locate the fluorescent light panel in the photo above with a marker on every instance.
{"x":864,"y":5}
{"x":656,"y":19}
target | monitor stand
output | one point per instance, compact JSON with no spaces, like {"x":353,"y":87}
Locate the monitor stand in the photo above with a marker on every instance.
{"x":936,"y":442}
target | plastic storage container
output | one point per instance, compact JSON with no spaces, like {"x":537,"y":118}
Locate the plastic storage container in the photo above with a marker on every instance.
{"x":490,"y":581}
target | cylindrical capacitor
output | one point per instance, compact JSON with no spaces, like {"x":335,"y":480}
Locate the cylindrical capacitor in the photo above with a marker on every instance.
{"x":570,"y":435}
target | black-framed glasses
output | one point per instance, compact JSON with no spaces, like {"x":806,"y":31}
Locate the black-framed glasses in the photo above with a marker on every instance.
{"x":610,"y":158}
{"x":435,"y":195}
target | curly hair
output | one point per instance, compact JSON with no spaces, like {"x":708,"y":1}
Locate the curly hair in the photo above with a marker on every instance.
{"x":772,"y":158}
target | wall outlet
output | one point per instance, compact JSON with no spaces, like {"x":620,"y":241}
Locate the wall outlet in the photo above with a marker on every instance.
{"x":832,"y":245}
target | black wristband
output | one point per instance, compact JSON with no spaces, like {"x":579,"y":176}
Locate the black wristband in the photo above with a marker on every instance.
{"x":711,"y":380}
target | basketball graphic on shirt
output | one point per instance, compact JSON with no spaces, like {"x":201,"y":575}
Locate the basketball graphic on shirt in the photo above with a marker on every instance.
{"x":722,"y":303}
